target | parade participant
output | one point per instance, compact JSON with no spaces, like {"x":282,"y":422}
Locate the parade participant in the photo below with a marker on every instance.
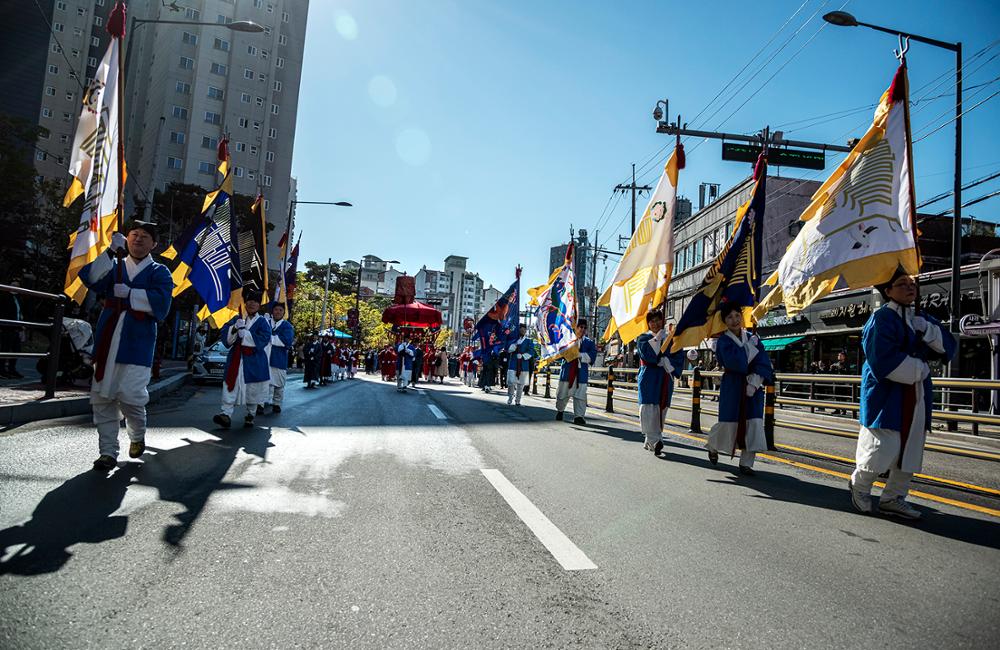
{"x":746,"y":368}
{"x":389,"y":364}
{"x":247,"y":375}
{"x":656,"y":378}
{"x":335,"y":360}
{"x":428,"y":363}
{"x":896,"y":396}
{"x":418,"y":364}
{"x":282,"y":336}
{"x":472,"y":370}
{"x":312,"y":354}
{"x":136,"y":293}
{"x":326,"y":361}
{"x":575,"y":373}
{"x":503,"y":359}
{"x":405,"y":363}
{"x":521,"y":352}
{"x":441,"y":364}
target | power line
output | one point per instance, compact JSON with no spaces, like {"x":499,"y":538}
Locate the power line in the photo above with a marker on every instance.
{"x":946,"y":123}
{"x":944,"y":195}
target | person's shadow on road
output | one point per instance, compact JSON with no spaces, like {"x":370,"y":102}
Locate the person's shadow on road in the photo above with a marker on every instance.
{"x":81,"y":509}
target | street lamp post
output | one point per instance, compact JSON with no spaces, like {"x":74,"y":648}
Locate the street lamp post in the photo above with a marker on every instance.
{"x":288,"y":244}
{"x":844,"y":19}
{"x":357,"y":298}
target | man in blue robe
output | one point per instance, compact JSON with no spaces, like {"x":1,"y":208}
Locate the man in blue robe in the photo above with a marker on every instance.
{"x":404,"y":362}
{"x":656,"y":379}
{"x":521,"y":352}
{"x":282,"y":337}
{"x":896,"y":396}
{"x":136,"y":293}
{"x":575,"y":373}
{"x":247,"y":374}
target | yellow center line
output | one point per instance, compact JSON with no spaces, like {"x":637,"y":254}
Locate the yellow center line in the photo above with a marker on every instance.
{"x":822,"y":470}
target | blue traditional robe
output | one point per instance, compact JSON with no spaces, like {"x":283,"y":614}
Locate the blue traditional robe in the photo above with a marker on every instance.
{"x":522,"y":346}
{"x":655,"y":383}
{"x":588,"y":354}
{"x":148,"y":302}
{"x":745,"y":362}
{"x":404,"y":361}
{"x":253,"y":360}
{"x":282,"y":332}
{"x":896,"y":387}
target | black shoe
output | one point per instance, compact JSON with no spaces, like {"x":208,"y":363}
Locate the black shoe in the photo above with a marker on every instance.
{"x":248,"y":421}
{"x":559,"y":415}
{"x":223,"y":420}
{"x":136,"y":449}
{"x":713,"y":457}
{"x":105,"y":463}
{"x":579,"y":420}
{"x":658,"y":447}
{"x":746,"y":471}
{"x":260,"y":409}
{"x":276,"y":409}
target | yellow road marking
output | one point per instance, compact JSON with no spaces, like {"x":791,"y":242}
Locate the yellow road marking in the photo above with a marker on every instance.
{"x":822,"y":470}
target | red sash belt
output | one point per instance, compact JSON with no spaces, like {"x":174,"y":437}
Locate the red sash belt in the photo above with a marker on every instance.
{"x":117,"y":306}
{"x":235,"y":361}
{"x":909,"y":404}
{"x":572,"y":371}
{"x":740,"y":441}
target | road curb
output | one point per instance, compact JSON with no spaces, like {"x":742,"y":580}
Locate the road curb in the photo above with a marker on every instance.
{"x":69,"y":406}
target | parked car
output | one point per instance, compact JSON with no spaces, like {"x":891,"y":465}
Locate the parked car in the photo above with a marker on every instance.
{"x":210,"y":365}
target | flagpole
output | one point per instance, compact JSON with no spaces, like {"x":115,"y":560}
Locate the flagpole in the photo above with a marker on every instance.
{"x":121,"y":122}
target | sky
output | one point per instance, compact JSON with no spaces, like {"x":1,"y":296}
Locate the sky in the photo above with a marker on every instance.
{"x":489,"y":129}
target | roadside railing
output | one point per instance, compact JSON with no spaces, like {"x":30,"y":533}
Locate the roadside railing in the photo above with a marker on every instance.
{"x":55,"y":334}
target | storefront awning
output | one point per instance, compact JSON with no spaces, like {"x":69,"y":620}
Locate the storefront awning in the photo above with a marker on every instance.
{"x":780,"y":344}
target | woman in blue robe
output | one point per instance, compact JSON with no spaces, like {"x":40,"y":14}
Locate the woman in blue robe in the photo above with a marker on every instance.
{"x":746,"y":369}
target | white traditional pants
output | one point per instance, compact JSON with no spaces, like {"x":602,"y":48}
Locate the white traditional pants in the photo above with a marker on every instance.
{"x":722,"y":437}
{"x":878,"y":451}
{"x":515,"y":385}
{"x":122,"y":393}
{"x":651,"y":422}
{"x":402,"y":378}
{"x":276,"y":389}
{"x":253,"y":394}
{"x":579,"y":395}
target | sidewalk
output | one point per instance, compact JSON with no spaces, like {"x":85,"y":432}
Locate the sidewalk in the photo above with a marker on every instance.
{"x":23,"y":400}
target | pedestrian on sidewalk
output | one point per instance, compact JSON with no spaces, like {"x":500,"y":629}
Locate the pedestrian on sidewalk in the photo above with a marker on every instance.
{"x":896,"y":396}
{"x":519,"y":353}
{"x":11,"y":337}
{"x":137,"y":294}
{"x":405,"y":363}
{"x":575,"y":373}
{"x":746,"y":369}
{"x":247,"y":375}
{"x":658,"y":367}
{"x":282,"y":336}
{"x":312,"y":356}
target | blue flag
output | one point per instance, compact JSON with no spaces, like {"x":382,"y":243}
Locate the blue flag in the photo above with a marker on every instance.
{"x":733,"y":277}
{"x":499,"y":326}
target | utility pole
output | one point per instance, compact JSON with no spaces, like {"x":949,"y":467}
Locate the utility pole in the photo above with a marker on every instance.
{"x":326,"y":292}
{"x":634,"y":189}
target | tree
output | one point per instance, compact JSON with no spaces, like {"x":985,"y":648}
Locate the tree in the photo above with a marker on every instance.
{"x":342,"y":280}
{"x":444,"y":338}
{"x":307,"y":312}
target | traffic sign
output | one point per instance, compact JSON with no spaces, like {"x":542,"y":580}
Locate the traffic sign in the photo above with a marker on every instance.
{"x":776,"y":156}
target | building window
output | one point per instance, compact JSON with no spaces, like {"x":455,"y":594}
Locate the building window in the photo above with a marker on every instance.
{"x":182,"y":88}
{"x":261,"y":76}
{"x":50,"y":91}
{"x":258,"y":3}
{"x":186,"y":63}
{"x":92,"y":61}
{"x":46,"y":112}
{"x":95,"y":42}
{"x":252,"y":50}
{"x":267,"y":205}
{"x":189,"y":39}
{"x":223,"y":20}
{"x":270,"y":156}
{"x":284,"y":16}
{"x":221,"y":44}
{"x":56,"y":49}
{"x":216,"y":93}
{"x":247,"y":73}
{"x":272,"y":132}
{"x":256,"y":126}
{"x":53,"y":69}
{"x":206,"y":168}
{"x":280,"y":62}
{"x":218,"y":68}
{"x":58,"y":27}
{"x":277,"y":86}
{"x":174,"y":163}
{"x":212,"y":118}
{"x":176,"y":137}
{"x":282,"y":39}
{"x":253,"y":150}
{"x":98,"y":21}
{"x":250,"y":174}
{"x":40,"y":155}
{"x":70,"y":96}
{"x":238,"y":172}
{"x":243,"y":122}
{"x":267,"y":181}
{"x":260,"y":102}
{"x":192,"y":14}
{"x":61,"y":6}
{"x":99,"y":3}
{"x":267,"y":31}
{"x":274,"y":109}
{"x":245,"y":98}
{"x":63,"y":138}
{"x":241,"y":146}
{"x":75,"y":53}
{"x":264,"y":54}
{"x":209,"y":143}
{"x":270,"y":8}
{"x":180,"y":113}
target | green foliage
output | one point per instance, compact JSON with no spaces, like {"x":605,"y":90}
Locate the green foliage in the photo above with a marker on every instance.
{"x":342,"y":280}
{"x":307,"y":312}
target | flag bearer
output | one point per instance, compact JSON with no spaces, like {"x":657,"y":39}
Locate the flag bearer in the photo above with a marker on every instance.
{"x":746,"y":367}
{"x":896,"y":396}
{"x":574,"y":375}
{"x":656,"y":379}
{"x":404,"y":363}
{"x":282,"y":336}
{"x":521,"y":353}
{"x":137,"y":293}
{"x":247,"y":374}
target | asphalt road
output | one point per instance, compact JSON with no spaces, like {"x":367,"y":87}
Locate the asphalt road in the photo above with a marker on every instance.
{"x":360,"y":517}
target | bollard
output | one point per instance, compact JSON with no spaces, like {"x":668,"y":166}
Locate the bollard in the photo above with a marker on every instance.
{"x":548,"y":387}
{"x":610,"y":405}
{"x":695,"y":401}
{"x":534,"y":383}
{"x":769,"y":416}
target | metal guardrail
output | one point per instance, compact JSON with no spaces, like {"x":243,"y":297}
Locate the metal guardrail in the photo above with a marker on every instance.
{"x":55,"y":334}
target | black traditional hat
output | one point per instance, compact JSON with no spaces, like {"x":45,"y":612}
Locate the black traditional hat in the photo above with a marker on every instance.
{"x":148,"y":226}
{"x":249,"y":293}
